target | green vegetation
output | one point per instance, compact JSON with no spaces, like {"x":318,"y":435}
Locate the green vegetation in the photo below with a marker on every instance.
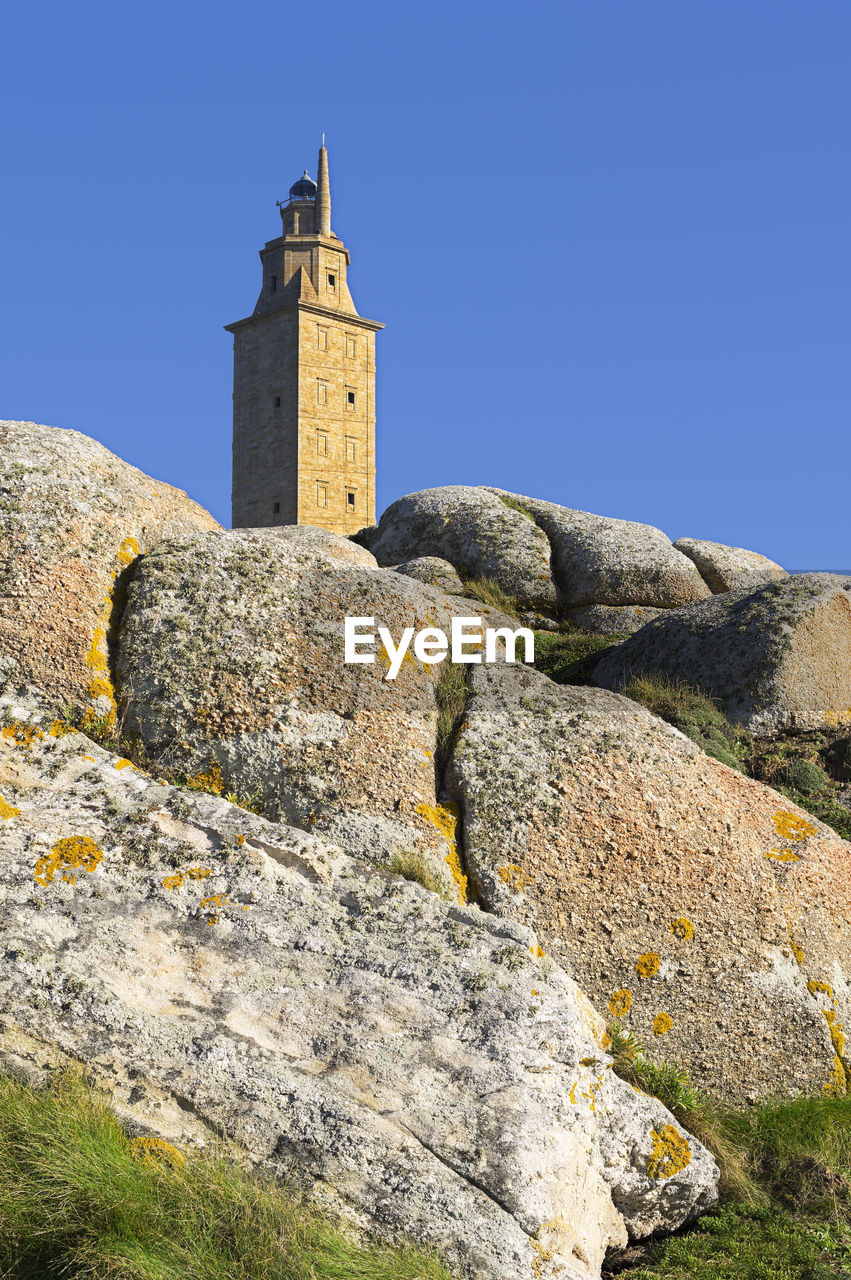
{"x":491,"y":593}
{"x":568,"y":656}
{"x":415,"y":866}
{"x":80,"y":1201}
{"x":516,"y":506}
{"x":785,"y":1207}
{"x":451,"y":693}
{"x":806,"y":767}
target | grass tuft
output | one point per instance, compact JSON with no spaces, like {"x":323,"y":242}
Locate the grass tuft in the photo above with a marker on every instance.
{"x":76,"y":1200}
{"x":516,"y":506}
{"x":568,"y":656}
{"x":451,"y":692}
{"x":491,"y":593}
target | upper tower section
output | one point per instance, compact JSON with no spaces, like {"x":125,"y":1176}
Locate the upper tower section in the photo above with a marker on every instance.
{"x":307,"y":262}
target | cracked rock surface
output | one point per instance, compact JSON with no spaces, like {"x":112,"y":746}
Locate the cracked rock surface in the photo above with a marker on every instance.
{"x":416,"y":1064}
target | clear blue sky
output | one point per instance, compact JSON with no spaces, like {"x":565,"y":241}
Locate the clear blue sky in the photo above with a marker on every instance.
{"x":609,"y":239}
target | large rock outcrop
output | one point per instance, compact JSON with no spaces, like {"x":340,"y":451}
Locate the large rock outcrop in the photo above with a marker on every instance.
{"x":73,"y":516}
{"x":775,"y":659}
{"x":600,"y":560}
{"x":477,"y":532}
{"x":703,"y":910}
{"x":729,"y":568}
{"x":415,"y":1064}
{"x":230,"y":664}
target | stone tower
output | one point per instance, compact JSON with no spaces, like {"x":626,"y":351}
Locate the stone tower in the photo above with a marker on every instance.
{"x":304,"y":380}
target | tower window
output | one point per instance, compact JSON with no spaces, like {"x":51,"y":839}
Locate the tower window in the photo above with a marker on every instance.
{"x":277,"y":402}
{"x":350,"y":500}
{"x":321,"y":494}
{"x":274,"y":284}
{"x":350,"y":399}
{"x":351,"y":345}
{"x":332,"y":282}
{"x":322,"y":339}
{"x":322,"y":393}
{"x":276,"y":508}
{"x":322,"y":443}
{"x":350,"y":448}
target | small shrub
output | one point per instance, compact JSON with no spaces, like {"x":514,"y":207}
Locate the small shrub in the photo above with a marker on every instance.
{"x":805,"y":776}
{"x":695,"y":714}
{"x":414,"y":865}
{"x":569,"y":656}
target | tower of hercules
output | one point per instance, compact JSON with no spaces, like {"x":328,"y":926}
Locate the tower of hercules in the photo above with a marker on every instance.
{"x":304,"y":380}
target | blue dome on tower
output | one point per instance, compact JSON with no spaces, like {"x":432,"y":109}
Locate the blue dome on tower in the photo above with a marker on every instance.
{"x":304,"y":189}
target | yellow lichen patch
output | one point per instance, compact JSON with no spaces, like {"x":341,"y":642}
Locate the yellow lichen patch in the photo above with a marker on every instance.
{"x":537,"y":951}
{"x":837,"y":1083}
{"x":199,"y":873}
{"x":74,"y":853}
{"x":212,"y":780}
{"x":90,"y":758}
{"x":124,"y":764}
{"x":837,"y":1035}
{"x":670,"y":1153}
{"x":96,"y":658}
{"x":240,"y":839}
{"x":682,"y":928}
{"x":128,"y":551}
{"x":444,"y":818}
{"x":59,"y":729}
{"x":514,"y":877}
{"x":8,"y":810}
{"x":153,"y":1150}
{"x":647,"y":965}
{"x":572,"y":1094}
{"x":620,"y":1003}
{"x":388,"y":661}
{"x":790,"y":826}
{"x":798,"y":952}
{"x":820,"y":988}
{"x":783,"y":855}
{"x":23,"y":735}
{"x":662,"y":1024}
{"x":99,"y":687}
{"x":173,"y":882}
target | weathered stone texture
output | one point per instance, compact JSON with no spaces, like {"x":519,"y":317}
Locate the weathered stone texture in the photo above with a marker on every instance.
{"x":729,"y":568}
{"x":414,"y":1064}
{"x":476,"y":532}
{"x":775,"y":659}
{"x":73,"y":516}
{"x":436,"y":572}
{"x":610,"y":619}
{"x":704,"y":911}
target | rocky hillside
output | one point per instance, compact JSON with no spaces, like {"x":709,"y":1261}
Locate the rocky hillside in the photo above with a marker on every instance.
{"x":377,"y":930}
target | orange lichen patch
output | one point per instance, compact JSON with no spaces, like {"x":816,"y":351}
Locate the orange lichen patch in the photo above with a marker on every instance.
{"x":173,"y":882}
{"x":444,"y":818}
{"x":537,"y":951}
{"x":783,"y":855}
{"x":154,"y":1150}
{"x":682,"y":928}
{"x":790,"y":826}
{"x":124,"y":764}
{"x":8,"y":810}
{"x":535,"y":993}
{"x":670,"y":1153}
{"x":647,"y":965}
{"x":240,"y":839}
{"x":99,"y":687}
{"x":128,"y":552}
{"x":213,"y":920}
{"x":837,"y":1083}
{"x":620,"y":1003}
{"x":91,"y":758}
{"x":199,"y":873}
{"x":23,"y":735}
{"x":514,"y":877}
{"x":662,"y":1024}
{"x":820,"y":988}
{"x":212,"y":780}
{"x":59,"y":729}
{"x":74,"y":853}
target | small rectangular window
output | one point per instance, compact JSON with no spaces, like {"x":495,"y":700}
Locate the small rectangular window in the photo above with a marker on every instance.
{"x":322,"y":393}
{"x":350,"y":399}
{"x":351,"y":346}
{"x":332,"y":282}
{"x":276,"y":508}
{"x":350,"y":448}
{"x":277,"y":402}
{"x":274,"y":284}
{"x":350,"y":500}
{"x":321,"y":494}
{"x":322,"y":443}
{"x":322,"y":338}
